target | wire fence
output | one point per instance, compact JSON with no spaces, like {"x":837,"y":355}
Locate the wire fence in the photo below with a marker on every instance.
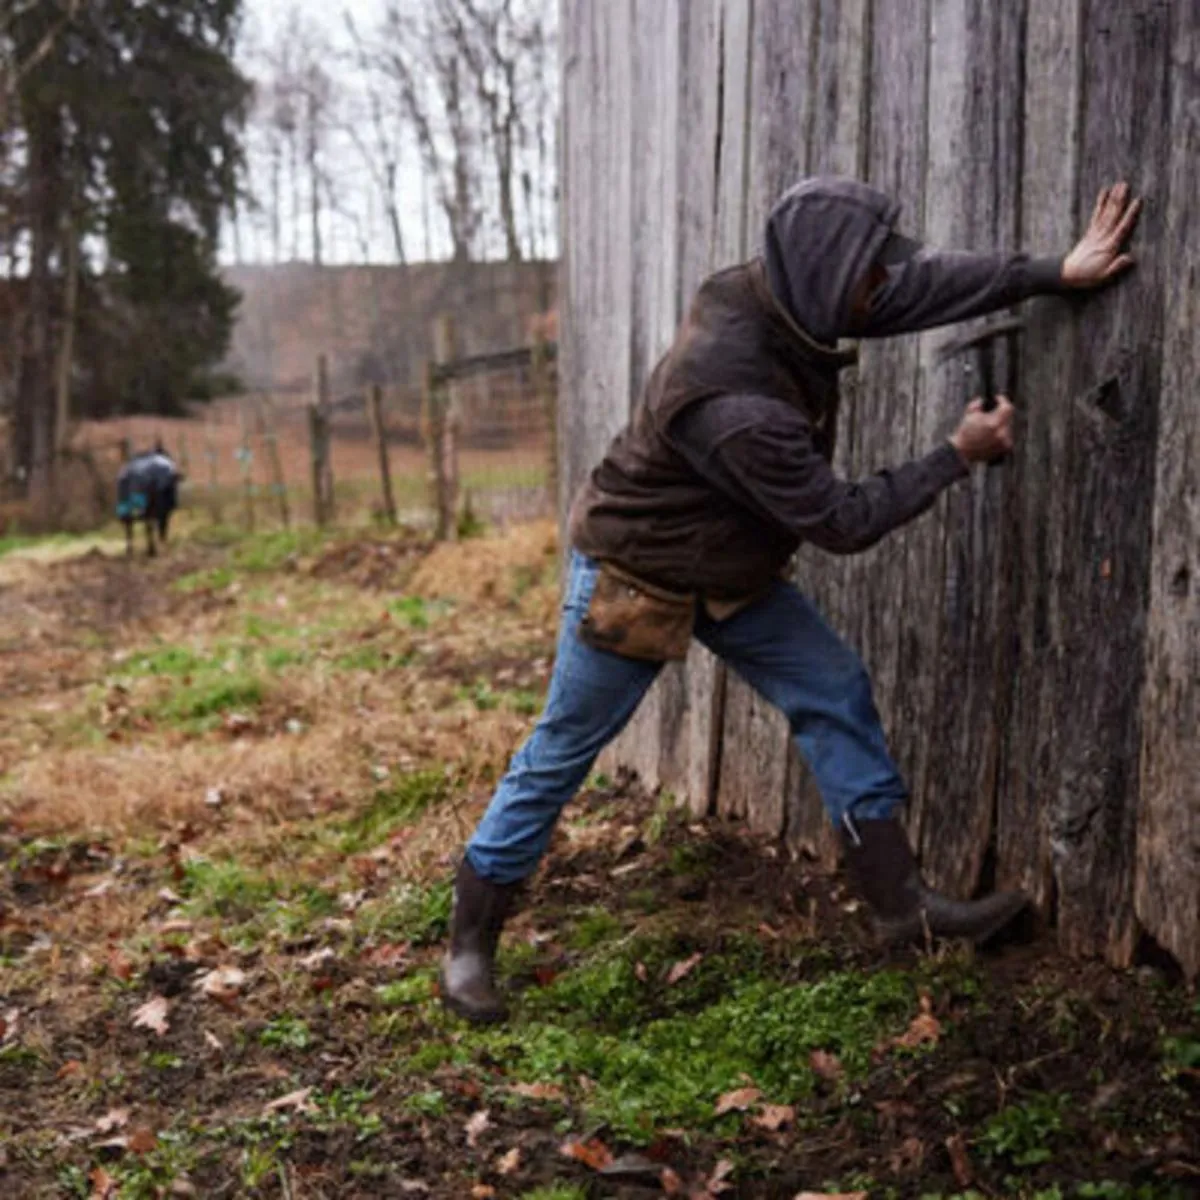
{"x":479,"y":438}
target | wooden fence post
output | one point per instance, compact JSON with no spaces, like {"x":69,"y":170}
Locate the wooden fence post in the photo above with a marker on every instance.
{"x":442,"y":440}
{"x":214,"y":494}
{"x":375,"y":407}
{"x":266,"y":433}
{"x":318,"y":428}
{"x":546,"y":392}
{"x":246,"y":461}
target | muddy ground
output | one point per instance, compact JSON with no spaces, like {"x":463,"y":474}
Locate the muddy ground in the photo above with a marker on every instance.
{"x":234,"y":782}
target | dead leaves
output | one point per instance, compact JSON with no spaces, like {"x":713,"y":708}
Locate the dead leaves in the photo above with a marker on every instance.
{"x":223,"y":984}
{"x":956,"y":1147}
{"x":152,"y":1015}
{"x":475,"y":1127}
{"x":592,"y":1152}
{"x":775,"y":1117}
{"x":510,"y":1163}
{"x":140,"y":1140}
{"x":925,"y":1028}
{"x":825,"y":1065}
{"x":738,"y":1100}
{"x":298,"y":1101}
{"x":683,"y":968}
{"x":539,"y":1091}
{"x":104,"y":1186}
{"x":830,"y":1196}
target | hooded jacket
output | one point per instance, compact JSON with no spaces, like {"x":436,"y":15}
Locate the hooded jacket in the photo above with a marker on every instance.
{"x":724,"y":468}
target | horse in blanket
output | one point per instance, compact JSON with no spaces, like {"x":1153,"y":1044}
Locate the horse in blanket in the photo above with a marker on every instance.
{"x":148,"y":491}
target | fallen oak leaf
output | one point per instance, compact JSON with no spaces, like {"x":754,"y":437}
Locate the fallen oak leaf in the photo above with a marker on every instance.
{"x":115,"y":1118}
{"x":509,"y":1164}
{"x":317,"y":958}
{"x":104,"y":1186}
{"x":683,"y":968}
{"x":925,"y":1027}
{"x":956,"y":1147}
{"x":476,"y":1125}
{"x":142,"y":1140}
{"x":298,"y":1100}
{"x":775,"y":1116}
{"x":538,"y":1091}
{"x":120,"y":965}
{"x":738,"y":1100}
{"x":716,"y":1183}
{"x":592,"y":1152}
{"x":152,"y":1015}
{"x":222,"y":984}
{"x":825,"y":1065}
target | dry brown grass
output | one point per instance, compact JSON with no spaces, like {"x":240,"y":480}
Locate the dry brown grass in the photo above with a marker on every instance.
{"x":75,"y":768}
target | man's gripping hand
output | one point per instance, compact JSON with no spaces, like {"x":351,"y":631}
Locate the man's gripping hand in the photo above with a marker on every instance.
{"x":983,"y":436}
{"x":1098,"y":256}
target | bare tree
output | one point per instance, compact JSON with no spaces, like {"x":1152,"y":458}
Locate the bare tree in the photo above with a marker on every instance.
{"x":382,"y":155}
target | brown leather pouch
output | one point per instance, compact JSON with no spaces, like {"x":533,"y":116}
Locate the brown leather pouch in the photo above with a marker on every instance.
{"x":636,"y":619}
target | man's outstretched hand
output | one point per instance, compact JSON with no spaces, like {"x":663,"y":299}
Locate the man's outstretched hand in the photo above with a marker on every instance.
{"x":1098,"y":257}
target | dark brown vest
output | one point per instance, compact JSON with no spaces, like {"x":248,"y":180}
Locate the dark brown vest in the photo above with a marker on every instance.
{"x":644,"y":508}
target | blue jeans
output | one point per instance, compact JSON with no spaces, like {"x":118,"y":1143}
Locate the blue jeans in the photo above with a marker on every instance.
{"x":780,"y":645}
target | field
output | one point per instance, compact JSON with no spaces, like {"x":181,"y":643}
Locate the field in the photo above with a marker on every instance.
{"x":233,"y":782}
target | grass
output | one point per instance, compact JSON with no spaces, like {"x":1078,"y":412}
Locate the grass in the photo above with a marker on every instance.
{"x":377,"y":722}
{"x":391,"y":807}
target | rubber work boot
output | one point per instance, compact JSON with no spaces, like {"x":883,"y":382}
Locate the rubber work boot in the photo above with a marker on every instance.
{"x":466,"y":979}
{"x":882,"y":866}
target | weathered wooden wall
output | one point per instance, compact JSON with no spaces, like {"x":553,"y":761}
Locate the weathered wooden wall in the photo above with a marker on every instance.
{"x":1035,"y":640}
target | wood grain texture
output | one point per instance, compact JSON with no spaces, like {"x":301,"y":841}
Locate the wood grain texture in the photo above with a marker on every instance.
{"x":952,"y":699}
{"x":654,"y":53}
{"x":691,"y":693}
{"x":886,"y":417}
{"x":1049,"y":223}
{"x":1109,"y":477}
{"x":1167,"y":882}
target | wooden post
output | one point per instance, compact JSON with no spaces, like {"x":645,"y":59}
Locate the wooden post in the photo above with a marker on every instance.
{"x":246,"y":462}
{"x":442,"y":440}
{"x":375,"y":407}
{"x":318,"y":428}
{"x":266,"y":433}
{"x":544,"y":388}
{"x":214,"y":494}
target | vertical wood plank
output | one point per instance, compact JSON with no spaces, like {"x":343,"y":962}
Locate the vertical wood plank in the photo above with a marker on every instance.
{"x":1109,"y":476}
{"x":959,"y":705}
{"x":1167,"y":885}
{"x":1049,"y":223}
{"x":1168,"y":869}
{"x":880,"y":429}
{"x":653,"y":301}
{"x":597,"y":262}
{"x":691,"y":693}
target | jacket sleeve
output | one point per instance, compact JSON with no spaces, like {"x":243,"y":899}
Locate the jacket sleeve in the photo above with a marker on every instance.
{"x":759,"y":452}
{"x":934,"y":288}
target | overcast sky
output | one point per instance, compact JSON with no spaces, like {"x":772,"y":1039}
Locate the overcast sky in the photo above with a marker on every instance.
{"x":344,"y":236}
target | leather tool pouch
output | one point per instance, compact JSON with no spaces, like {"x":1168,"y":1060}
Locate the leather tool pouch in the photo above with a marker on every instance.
{"x":635,"y":619}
